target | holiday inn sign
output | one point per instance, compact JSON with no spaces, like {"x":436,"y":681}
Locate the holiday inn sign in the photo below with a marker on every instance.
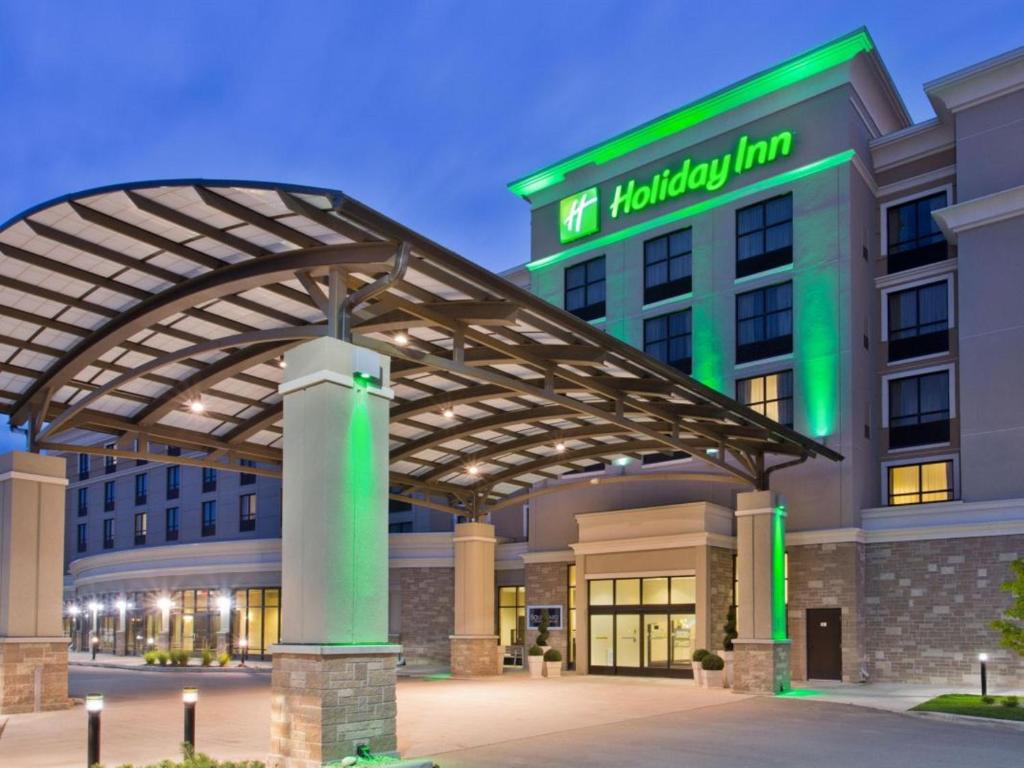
{"x":579,"y":214}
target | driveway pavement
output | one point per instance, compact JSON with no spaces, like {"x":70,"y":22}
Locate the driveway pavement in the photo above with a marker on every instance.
{"x":515,"y":721}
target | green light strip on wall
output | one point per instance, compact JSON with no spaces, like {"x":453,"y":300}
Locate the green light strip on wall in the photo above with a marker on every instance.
{"x":696,"y":208}
{"x":782,"y":76}
{"x":779,"y":574}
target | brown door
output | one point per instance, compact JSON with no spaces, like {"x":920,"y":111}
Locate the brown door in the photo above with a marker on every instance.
{"x":824,"y":644}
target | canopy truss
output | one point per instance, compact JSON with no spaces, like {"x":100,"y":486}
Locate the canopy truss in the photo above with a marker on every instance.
{"x":123,"y":307}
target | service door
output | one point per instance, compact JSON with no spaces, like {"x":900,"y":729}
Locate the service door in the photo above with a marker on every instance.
{"x":824,"y":644}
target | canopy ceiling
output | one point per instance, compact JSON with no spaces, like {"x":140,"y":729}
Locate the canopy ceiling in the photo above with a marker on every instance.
{"x":121,"y":306}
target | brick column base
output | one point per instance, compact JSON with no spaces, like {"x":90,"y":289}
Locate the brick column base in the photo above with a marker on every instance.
{"x":326,"y":701}
{"x":475,"y":655}
{"x":760,"y":666}
{"x":33,"y":674}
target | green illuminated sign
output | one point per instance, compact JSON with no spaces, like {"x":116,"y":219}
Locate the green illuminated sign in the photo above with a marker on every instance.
{"x":578,"y":215}
{"x":690,"y":176}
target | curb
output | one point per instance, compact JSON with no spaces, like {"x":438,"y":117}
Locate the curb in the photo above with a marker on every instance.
{"x":986,"y":722}
{"x":168,"y":668}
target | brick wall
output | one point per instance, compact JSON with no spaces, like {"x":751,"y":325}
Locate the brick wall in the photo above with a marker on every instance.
{"x":20,"y":664}
{"x":719,"y":594}
{"x":427,"y":612}
{"x":548,"y":584}
{"x":827,"y":576}
{"x":929,"y":605}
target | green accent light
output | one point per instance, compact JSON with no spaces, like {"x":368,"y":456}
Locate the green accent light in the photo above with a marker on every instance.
{"x":579,"y":215}
{"x":817,"y":330}
{"x":798,"y":693}
{"x":697,"y":208}
{"x":782,"y":76}
{"x":779,"y":574}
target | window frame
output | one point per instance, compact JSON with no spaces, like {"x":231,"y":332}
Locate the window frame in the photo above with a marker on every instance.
{"x":766,"y":260}
{"x":588,"y":311}
{"x":950,"y":370}
{"x":83,"y":501}
{"x":247,"y":522}
{"x":246,"y":478}
{"x":208,"y":480}
{"x":109,"y":499}
{"x":141,"y":488}
{"x":172,"y":490}
{"x":904,"y":200}
{"x":208,"y":523}
{"x":669,"y":289}
{"x":109,"y":533}
{"x":886,"y":487}
{"x":767,"y":350}
{"x":84,"y":465}
{"x":792,"y":393}
{"x":172,"y":534}
{"x":686,"y":368}
{"x":82,"y":538}
{"x":140,"y":537}
{"x":947,"y":278}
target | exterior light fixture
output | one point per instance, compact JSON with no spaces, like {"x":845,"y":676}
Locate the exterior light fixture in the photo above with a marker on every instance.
{"x":94,"y":606}
{"x":189,"y":697}
{"x":164,"y":603}
{"x":121,"y":605}
{"x":281,"y":362}
{"x":94,"y":702}
{"x":400,"y":339}
{"x":243,"y":643}
{"x":364,"y":379}
{"x":560,"y":446}
{"x":195,"y":405}
{"x":223,"y":603}
{"x":74,"y":610}
{"x":473,"y":469}
{"x":94,"y":706}
{"x":448,"y":412}
{"x":983,"y":657}
{"x":711,"y":451}
{"x":622,"y":461}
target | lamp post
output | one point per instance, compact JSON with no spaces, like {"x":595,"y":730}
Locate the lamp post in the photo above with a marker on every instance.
{"x":94,"y":609}
{"x":983,"y":658}
{"x":189,"y":697}
{"x":94,"y":706}
{"x":73,"y":611}
{"x":122,"y":610}
{"x":164,"y":604}
{"x":224,"y":627}
{"x":244,"y":645}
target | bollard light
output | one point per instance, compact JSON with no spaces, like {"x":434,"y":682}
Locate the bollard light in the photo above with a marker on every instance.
{"x":189,"y":696}
{"x":983,"y":657}
{"x":94,"y":706}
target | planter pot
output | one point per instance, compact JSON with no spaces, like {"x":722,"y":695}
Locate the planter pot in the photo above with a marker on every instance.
{"x":714,"y":678}
{"x":536,"y":664}
{"x":698,"y":673}
{"x":728,"y":656}
{"x":553,"y":668}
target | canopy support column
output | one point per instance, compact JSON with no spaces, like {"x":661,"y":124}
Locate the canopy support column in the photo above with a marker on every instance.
{"x":333,"y":684}
{"x":33,"y":649}
{"x":474,"y":645}
{"x":762,"y":648}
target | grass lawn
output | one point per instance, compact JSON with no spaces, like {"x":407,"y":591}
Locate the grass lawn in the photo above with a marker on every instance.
{"x":973,"y":706}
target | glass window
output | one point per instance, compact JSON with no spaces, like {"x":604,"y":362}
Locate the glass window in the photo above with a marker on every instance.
{"x":173,"y":450}
{"x":403,"y":527}
{"x":173,"y":481}
{"x":247,"y":512}
{"x":83,"y":502}
{"x":668,"y":339}
{"x":770,"y":395}
{"x":912,"y":226}
{"x":921,"y":483}
{"x":83,"y":466}
{"x":668,"y":265}
{"x":764,"y":235}
{"x":246,"y":478}
{"x":585,"y":289}
{"x":511,"y":615}
{"x":209,"y":479}
{"x":919,"y":410}
{"x":627,"y":591}
{"x":656,"y":591}
{"x":82,"y":540}
{"x":602,"y":640}
{"x":918,"y":321}
{"x":109,"y":494}
{"x":110,"y":462}
{"x":602,"y":592}
{"x":209,"y":518}
{"x":172,"y":523}
{"x":140,"y":528}
{"x":684,"y":590}
{"x":108,"y":533}
{"x":141,"y":488}
{"x":764,"y":322}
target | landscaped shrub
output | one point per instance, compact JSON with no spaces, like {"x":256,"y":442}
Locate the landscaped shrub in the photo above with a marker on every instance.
{"x":712,"y":662}
{"x":699,"y":654}
{"x":542,"y":628}
{"x":729,"y":628}
{"x":536,"y":650}
{"x":207,"y":658}
{"x":988,"y":699}
{"x":552,"y":655}
{"x":162,"y":657}
{"x":191,"y":759}
{"x":149,"y":657}
{"x":179,"y":658}
{"x":223,"y":659}
{"x":1010,"y":701}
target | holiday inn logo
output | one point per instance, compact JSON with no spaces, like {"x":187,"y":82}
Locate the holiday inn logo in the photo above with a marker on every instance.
{"x":578,"y":215}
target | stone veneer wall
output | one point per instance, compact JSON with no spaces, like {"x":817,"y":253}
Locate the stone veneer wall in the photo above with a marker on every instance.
{"x":827,"y":576}
{"x":427,"y":614}
{"x":19,"y":662}
{"x":929,"y":607}
{"x":761,"y":667}
{"x":548,"y":584}
{"x":719,"y":595}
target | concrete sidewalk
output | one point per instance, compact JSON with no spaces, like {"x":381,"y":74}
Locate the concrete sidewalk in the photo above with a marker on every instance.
{"x":110,"y":661}
{"x":890,"y":697}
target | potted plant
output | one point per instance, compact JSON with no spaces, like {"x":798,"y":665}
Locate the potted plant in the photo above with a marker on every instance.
{"x":542,"y":630}
{"x":730,"y":634}
{"x":552,"y":663}
{"x":713,"y":664}
{"x":698,"y":670}
{"x":536,"y":661}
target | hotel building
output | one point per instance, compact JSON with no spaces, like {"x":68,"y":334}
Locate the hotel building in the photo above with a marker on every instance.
{"x":794,"y":241}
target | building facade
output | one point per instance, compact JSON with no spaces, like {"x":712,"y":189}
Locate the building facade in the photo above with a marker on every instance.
{"x":793,"y":241}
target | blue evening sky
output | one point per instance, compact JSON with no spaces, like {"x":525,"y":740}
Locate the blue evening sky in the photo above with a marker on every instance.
{"x":423,"y":110}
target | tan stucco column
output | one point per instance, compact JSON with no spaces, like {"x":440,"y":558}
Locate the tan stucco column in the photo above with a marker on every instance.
{"x":333,"y":680}
{"x":475,"y":643}
{"x":762,"y":648}
{"x":33,"y":649}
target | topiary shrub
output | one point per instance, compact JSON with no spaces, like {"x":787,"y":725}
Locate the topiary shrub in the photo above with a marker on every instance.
{"x":149,"y":657}
{"x":552,"y":655}
{"x":536,"y":650}
{"x":223,"y":659}
{"x":162,"y":657}
{"x":699,"y":654}
{"x":207,"y":657}
{"x":730,"y":628}
{"x":542,"y":628}
{"x":988,"y":699}
{"x":712,"y":662}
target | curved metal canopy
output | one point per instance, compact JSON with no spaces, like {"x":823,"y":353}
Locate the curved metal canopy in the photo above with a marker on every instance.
{"x":122,"y":307}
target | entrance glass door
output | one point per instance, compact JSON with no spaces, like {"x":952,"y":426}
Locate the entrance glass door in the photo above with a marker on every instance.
{"x":656,"y":641}
{"x":627,"y":641}
{"x":683,"y":635}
